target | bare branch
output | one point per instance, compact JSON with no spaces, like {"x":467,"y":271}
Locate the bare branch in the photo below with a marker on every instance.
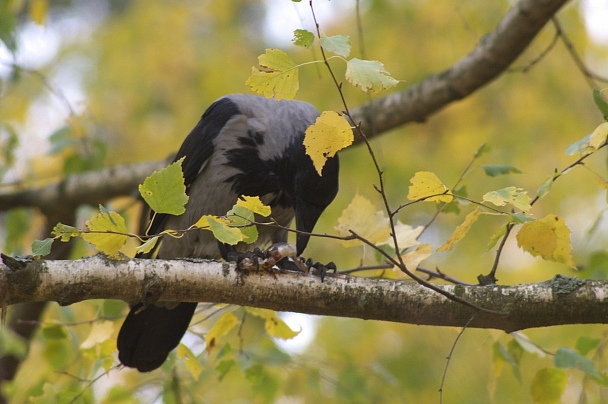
{"x":555,"y":302}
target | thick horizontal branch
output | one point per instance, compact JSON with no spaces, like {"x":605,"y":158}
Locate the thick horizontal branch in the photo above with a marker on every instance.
{"x":92,"y":188}
{"x":492,"y":56}
{"x":555,"y":302}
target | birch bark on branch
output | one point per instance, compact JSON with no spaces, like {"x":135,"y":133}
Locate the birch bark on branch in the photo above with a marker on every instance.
{"x":556,"y":302}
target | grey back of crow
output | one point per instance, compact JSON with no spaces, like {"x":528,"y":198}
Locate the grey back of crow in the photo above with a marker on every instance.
{"x":243,"y":145}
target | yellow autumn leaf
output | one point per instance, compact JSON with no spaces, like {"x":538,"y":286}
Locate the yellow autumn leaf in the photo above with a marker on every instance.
{"x":407,"y":236}
{"x":100,"y":332}
{"x":599,"y":135}
{"x":414,"y":258}
{"x":461,"y":230}
{"x":254,"y":204}
{"x":220,"y":329}
{"x":330,"y":133}
{"x":548,"y":238}
{"x":192,"y":363}
{"x":276,"y":76}
{"x":273,"y":324}
{"x":424,"y":185}
{"x":108,"y":232}
{"x":362,"y":217}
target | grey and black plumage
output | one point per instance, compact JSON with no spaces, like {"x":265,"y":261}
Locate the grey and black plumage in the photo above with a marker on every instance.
{"x":243,"y":145}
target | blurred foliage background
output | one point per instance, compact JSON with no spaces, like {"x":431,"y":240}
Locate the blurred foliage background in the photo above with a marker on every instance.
{"x":87,"y":84}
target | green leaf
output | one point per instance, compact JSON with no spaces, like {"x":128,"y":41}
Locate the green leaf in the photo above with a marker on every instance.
{"x":42,"y":247}
{"x":276,"y":76}
{"x":242,"y":217}
{"x":147,"y":246}
{"x":580,"y":146}
{"x":482,"y":150}
{"x":224,"y":367}
{"x":601,"y":104}
{"x":498,"y":235}
{"x":568,"y":359}
{"x":500,"y":353}
{"x":165,"y":191}
{"x":302,"y":37}
{"x":65,"y":232}
{"x":223,"y":232}
{"x":12,"y":343}
{"x":509,"y":195}
{"x":586,"y":344}
{"x":521,"y":217}
{"x":338,"y":44}
{"x":544,"y":189}
{"x":548,"y":386}
{"x":369,"y":75}
{"x":54,"y":331}
{"x":494,"y":170}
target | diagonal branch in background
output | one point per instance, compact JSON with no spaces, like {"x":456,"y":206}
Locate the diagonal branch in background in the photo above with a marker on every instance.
{"x":556,"y":302}
{"x":492,"y":56}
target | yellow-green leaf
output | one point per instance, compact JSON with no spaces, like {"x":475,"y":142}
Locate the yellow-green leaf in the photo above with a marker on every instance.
{"x":192,"y":363}
{"x":41,"y":248}
{"x":241,"y":218}
{"x":65,"y":232}
{"x":369,"y":75}
{"x":338,"y":44}
{"x":302,"y":37}
{"x":425,"y":184}
{"x":100,"y":332}
{"x":108,"y":232}
{"x":220,"y":329}
{"x":254,"y":204}
{"x":509,"y":195}
{"x":461,"y":230}
{"x":598,"y":136}
{"x":223,"y":232}
{"x":362,"y":217}
{"x":276,"y":76}
{"x":165,"y":191}
{"x":548,"y":238}
{"x":147,"y":246}
{"x":548,"y":385}
{"x":330,"y":133}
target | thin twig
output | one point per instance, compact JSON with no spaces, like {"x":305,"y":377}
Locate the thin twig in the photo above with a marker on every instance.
{"x":449,"y":357}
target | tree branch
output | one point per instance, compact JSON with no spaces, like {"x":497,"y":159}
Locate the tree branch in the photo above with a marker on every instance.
{"x":556,"y":302}
{"x":492,"y":56}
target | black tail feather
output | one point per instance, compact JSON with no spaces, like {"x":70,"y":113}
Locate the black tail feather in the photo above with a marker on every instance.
{"x":149,"y":334}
